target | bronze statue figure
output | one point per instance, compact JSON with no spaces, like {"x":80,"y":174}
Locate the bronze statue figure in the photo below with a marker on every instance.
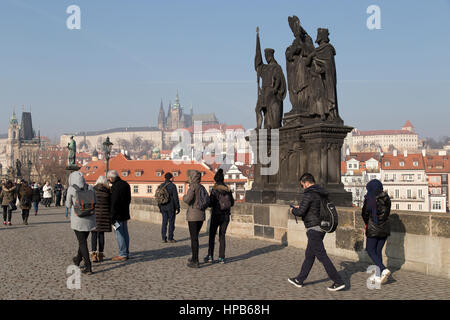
{"x":18,"y":169}
{"x":72,"y":146}
{"x":273,"y":89}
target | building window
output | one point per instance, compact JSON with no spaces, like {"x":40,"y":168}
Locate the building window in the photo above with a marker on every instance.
{"x":415,"y":164}
{"x":408,"y":193}
{"x":420,"y":193}
{"x":394,"y":177}
{"x":149,"y":189}
{"x":138,"y":173}
{"x":402,"y":164}
{"x":409,"y":206}
{"x":175,"y":173}
{"x":386,"y":177}
{"x":180,"y":189}
{"x":135,"y":189}
{"x":420,"y":207}
{"x":397,"y":206}
{"x":397,"y":193}
{"x":419,"y":177}
{"x":158,"y":173}
{"x":437,"y":205}
{"x":124,"y":173}
{"x":387,"y":163}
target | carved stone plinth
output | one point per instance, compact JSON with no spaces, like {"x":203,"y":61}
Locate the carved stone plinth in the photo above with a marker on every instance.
{"x":313,"y":148}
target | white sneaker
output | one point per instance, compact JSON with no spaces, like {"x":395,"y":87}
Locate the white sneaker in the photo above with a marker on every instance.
{"x":385,"y":276}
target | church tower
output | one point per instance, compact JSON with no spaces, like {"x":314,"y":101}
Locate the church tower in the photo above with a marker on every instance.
{"x":161,"y":118}
{"x":13,"y":139}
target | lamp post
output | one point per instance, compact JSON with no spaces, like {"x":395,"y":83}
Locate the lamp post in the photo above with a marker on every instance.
{"x":29,"y":163}
{"x":107,"y":147}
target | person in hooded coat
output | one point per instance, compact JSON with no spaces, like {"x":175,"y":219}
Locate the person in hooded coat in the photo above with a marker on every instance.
{"x":81,"y":226}
{"x":194,"y":216}
{"x":375,"y":213}
{"x":8,"y":195}
{"x":221,"y":201}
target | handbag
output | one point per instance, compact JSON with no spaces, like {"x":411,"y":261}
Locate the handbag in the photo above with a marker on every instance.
{"x":12,"y":206}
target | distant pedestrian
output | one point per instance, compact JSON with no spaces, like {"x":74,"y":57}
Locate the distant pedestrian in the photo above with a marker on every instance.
{"x":58,"y":193}
{"x":48,"y":194}
{"x":82,"y":226}
{"x":169,"y":209}
{"x":194,"y":215}
{"x":25,"y":196}
{"x":375,"y":213}
{"x":64,"y":197}
{"x":309,"y":210}
{"x":36,"y":198}
{"x":221,"y":201}
{"x":8,"y":196}
{"x":120,"y":213}
{"x":103,"y":218}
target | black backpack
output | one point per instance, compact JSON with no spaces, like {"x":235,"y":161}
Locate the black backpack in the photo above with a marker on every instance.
{"x":203,"y":201}
{"x":328,"y":215}
{"x":224,"y":201}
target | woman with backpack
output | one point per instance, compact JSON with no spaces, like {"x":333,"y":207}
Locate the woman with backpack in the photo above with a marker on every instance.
{"x":9,"y":197}
{"x":221,"y":201}
{"x":82,"y":226}
{"x":103,"y":218}
{"x":375,"y":213}
{"x":195,"y":199}
{"x":25,"y":197}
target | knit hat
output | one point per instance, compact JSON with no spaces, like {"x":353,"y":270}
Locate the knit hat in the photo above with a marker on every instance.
{"x":168,"y":176}
{"x":219,"y":176}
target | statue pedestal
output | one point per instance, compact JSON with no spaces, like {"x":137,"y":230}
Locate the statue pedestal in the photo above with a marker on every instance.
{"x":313,"y":148}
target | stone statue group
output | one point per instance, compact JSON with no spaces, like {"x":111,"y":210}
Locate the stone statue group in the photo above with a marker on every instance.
{"x":311,"y":80}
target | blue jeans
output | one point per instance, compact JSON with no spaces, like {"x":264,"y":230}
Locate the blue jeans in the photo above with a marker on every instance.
{"x":374,"y":247}
{"x":36,"y":206}
{"x":168,"y":217}
{"x":123,"y":239}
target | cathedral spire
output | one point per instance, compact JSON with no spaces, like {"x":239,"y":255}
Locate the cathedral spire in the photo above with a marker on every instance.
{"x":161,"y":117}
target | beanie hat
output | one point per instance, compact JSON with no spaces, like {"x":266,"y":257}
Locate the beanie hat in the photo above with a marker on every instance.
{"x":168,"y":176}
{"x":219,"y":176}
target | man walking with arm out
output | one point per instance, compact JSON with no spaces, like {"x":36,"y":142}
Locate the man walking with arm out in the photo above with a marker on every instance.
{"x":309,"y":211}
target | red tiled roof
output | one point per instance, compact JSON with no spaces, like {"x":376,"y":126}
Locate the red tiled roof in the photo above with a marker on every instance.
{"x":408,"y":162}
{"x":148,"y":169}
{"x":437,"y":164}
{"x":408,"y":124}
{"x":381,"y":132}
{"x":363,"y":156}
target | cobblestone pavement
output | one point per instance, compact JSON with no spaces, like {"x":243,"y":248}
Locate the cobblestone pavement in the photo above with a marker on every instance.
{"x":34,"y":260}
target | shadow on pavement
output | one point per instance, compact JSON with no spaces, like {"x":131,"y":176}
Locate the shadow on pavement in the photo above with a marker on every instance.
{"x":256,"y":252}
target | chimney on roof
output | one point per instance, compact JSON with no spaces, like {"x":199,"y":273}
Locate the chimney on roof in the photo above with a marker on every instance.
{"x":394,"y":152}
{"x":424,"y":152}
{"x":442,"y":152}
{"x":405,"y":153}
{"x":347,"y":151}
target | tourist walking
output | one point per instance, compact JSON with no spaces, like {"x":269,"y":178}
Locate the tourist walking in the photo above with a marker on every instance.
{"x":309,"y":211}
{"x":8,"y":196}
{"x":194,"y":215}
{"x":58,"y":193}
{"x":36,"y":198}
{"x":169,"y":209}
{"x":103,"y":218}
{"x":82,"y":226}
{"x":221,"y":201}
{"x":47,"y":189}
{"x":25,"y":195}
{"x":120,"y":213}
{"x":375,"y":213}
{"x":64,"y":197}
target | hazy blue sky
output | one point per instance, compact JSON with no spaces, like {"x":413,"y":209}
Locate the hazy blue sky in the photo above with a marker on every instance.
{"x":129,"y":55}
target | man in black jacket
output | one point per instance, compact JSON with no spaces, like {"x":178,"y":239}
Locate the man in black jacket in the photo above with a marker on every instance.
{"x":170,"y":209}
{"x":58,"y":193}
{"x":309,"y":211}
{"x":120,"y":213}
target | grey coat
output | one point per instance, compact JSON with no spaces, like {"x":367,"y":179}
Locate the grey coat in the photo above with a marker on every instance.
{"x":192,"y":196}
{"x":77,"y":223}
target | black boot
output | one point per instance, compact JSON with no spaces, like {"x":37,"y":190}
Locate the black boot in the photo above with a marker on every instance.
{"x":87,"y":270}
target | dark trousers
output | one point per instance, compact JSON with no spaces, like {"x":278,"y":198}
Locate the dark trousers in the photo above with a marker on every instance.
{"x":7,"y":214}
{"x":100,"y":237}
{"x":58,"y":200}
{"x":315,"y":248}
{"x":374,"y":247}
{"x":83,"y":251}
{"x":25,"y":214}
{"x":36,"y":206}
{"x":47,"y":202}
{"x":194,"y":230}
{"x":220,"y":221}
{"x":167,"y":218}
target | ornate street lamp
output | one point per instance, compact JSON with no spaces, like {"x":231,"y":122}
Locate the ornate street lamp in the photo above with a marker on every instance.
{"x":29,"y":163}
{"x":107,"y":147}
